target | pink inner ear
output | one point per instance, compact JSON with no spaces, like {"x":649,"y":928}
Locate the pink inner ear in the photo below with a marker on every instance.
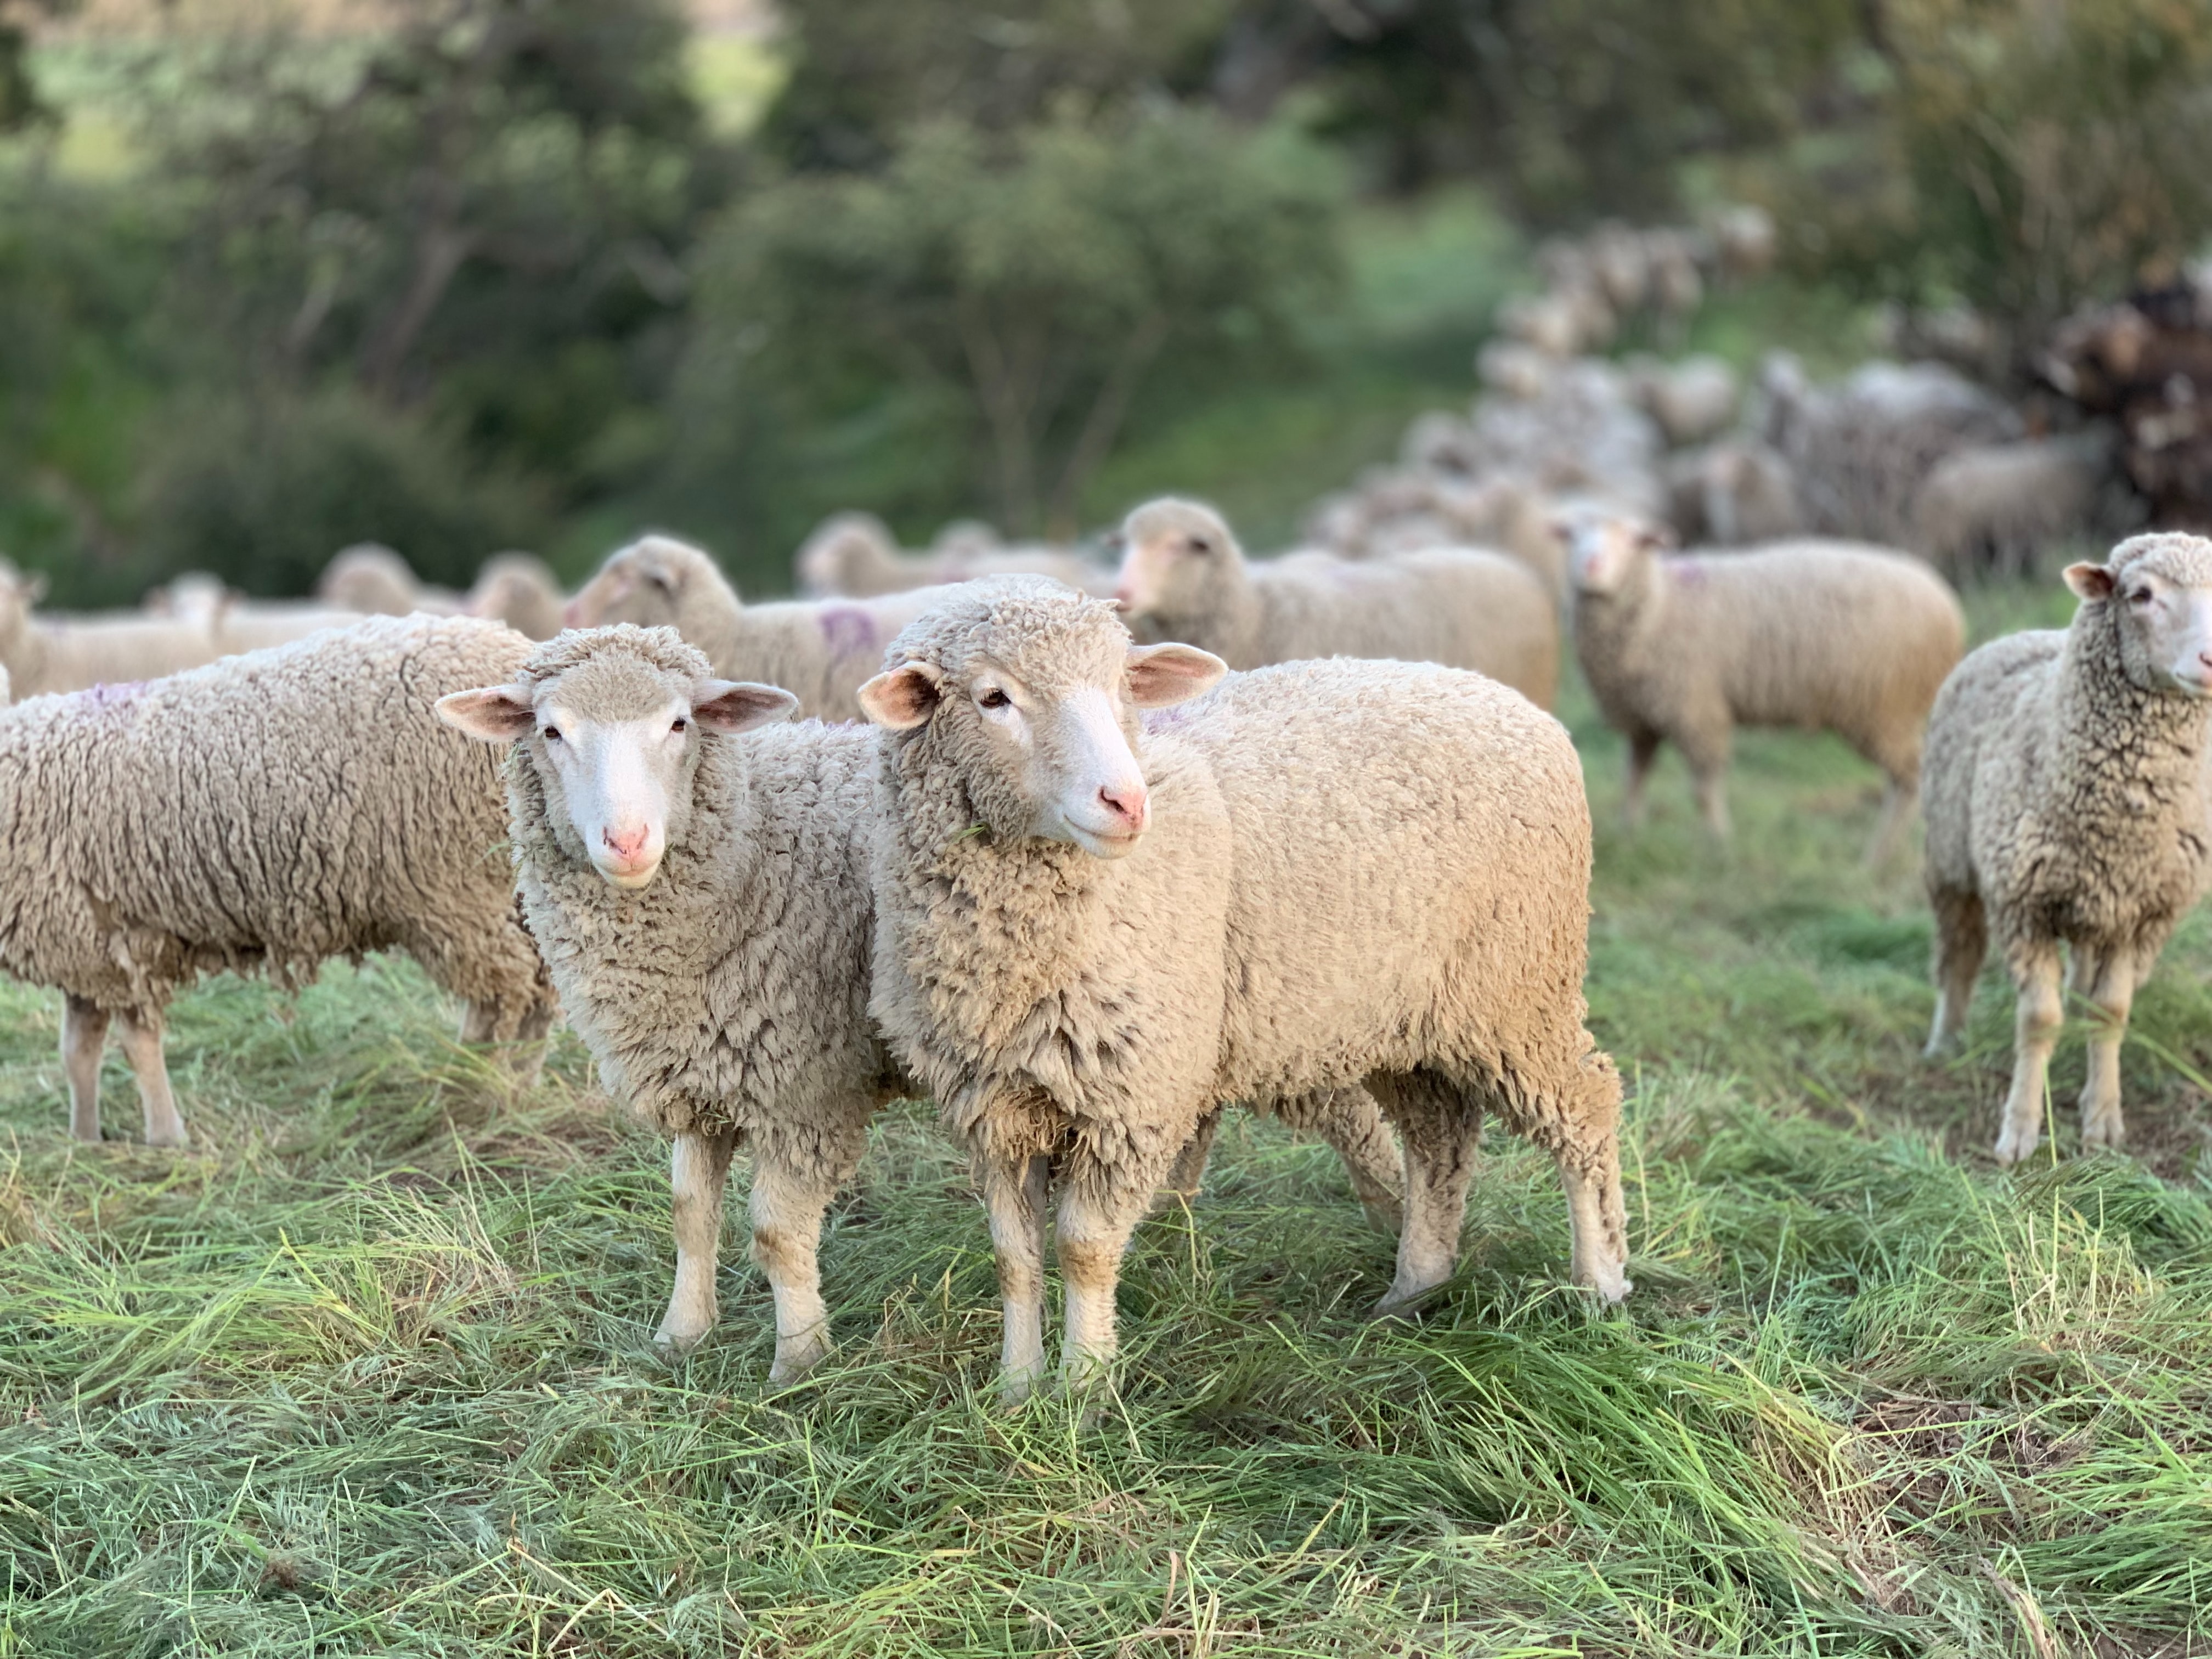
{"x":2090,"y":581}
{"x":497,"y":713}
{"x":899,"y":698}
{"x":1164,"y":674}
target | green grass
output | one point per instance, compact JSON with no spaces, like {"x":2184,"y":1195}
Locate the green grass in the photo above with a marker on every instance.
{"x":368,"y":1371}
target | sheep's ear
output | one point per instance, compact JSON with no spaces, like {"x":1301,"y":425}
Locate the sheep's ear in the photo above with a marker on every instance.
{"x":736,"y":706}
{"x":33,"y":587}
{"x":1163,"y":674}
{"x":1658,"y":537}
{"x":900,"y":699}
{"x":2090,"y":581}
{"x":497,"y":713}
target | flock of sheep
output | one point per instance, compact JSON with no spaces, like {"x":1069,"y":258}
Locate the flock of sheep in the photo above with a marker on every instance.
{"x":1086,"y":854}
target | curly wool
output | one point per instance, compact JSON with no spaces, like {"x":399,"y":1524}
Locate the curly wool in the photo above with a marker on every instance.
{"x":267,"y":813}
{"x":1458,"y":607}
{"x":820,"y":650}
{"x":731,"y":991}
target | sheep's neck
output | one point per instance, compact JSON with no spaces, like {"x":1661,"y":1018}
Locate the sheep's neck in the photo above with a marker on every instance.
{"x":1231,"y":627}
{"x":2108,"y":728}
{"x":1613,"y":626}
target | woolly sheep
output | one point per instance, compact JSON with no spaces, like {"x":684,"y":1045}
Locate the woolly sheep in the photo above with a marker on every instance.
{"x":818,"y":650}
{"x":1747,"y":493}
{"x":853,"y":555}
{"x":1745,"y":241}
{"x":47,"y":653}
{"x":266,"y":813}
{"x":1825,"y":635}
{"x":1693,"y":399}
{"x":1324,"y":873}
{"x":1513,"y":369}
{"x":1996,"y":506}
{"x":372,"y":579}
{"x":518,"y":589}
{"x":1184,"y":577}
{"x":2068,"y":804}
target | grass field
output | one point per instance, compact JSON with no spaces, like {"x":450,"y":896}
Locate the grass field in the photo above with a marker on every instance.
{"x":369,"y":1372}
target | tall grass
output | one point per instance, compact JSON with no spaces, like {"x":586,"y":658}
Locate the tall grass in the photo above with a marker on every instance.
{"x":368,"y":1371}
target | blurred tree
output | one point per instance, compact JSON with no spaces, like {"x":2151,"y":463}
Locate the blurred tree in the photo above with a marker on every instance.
{"x":1027,"y":287}
{"x":20,"y":104}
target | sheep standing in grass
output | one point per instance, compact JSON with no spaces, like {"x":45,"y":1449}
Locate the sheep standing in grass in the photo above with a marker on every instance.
{"x":819,"y":650}
{"x":1996,"y":506}
{"x":1184,"y":578}
{"x":1824,"y":636}
{"x":2068,"y":802}
{"x":1097,"y":925}
{"x":268,"y":812}
{"x":703,"y":904}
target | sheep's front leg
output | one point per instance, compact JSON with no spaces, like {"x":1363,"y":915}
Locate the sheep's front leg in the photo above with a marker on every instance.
{"x":1597,"y":1218}
{"x":141,"y":1047}
{"x":2035,"y":1033}
{"x":1098,"y":1211}
{"x":1898,"y":800}
{"x":791,"y":1195}
{"x":1643,"y":750}
{"x":2106,"y":980}
{"x":1705,"y":745}
{"x":699,"y":1169}
{"x":1962,"y":940}
{"x":84,"y":1034}
{"x":1014,"y":1197}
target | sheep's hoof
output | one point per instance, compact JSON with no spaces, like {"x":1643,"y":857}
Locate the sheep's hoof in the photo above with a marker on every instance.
{"x":1612,"y":1286}
{"x":2106,"y":1132}
{"x":2012,"y":1148}
{"x":176,"y":1141}
{"x":1018,"y":1387}
{"x":675,"y":1337}
{"x":1406,"y":1305}
{"x":796,"y":1359}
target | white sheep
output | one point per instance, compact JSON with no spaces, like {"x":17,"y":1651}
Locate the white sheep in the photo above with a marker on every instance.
{"x":519,"y":590}
{"x":44,"y":653}
{"x":819,"y":650}
{"x":1184,"y":577}
{"x":261,"y":814}
{"x":1996,"y":506}
{"x":1097,"y":925}
{"x":1692,"y":399}
{"x":1822,"y":635}
{"x":854,"y":556}
{"x":368,"y":577}
{"x":2069,"y":804}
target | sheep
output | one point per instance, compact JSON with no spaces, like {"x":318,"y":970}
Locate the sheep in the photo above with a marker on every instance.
{"x":703,"y":905}
{"x":1747,"y":493}
{"x":853,"y":555}
{"x":1184,"y":577}
{"x":48,"y":654}
{"x":1996,"y":507}
{"x":1745,"y":241}
{"x":519,"y":590}
{"x":1693,"y":399}
{"x":1322,"y":874}
{"x":2068,"y":802}
{"x":1826,"y":635}
{"x":264,"y":813}
{"x":370,"y":579}
{"x":818,"y":650}
{"x":1513,"y":369}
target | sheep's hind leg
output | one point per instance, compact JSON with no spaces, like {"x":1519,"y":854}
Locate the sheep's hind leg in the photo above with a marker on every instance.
{"x":1014,"y":1197}
{"x":1350,"y":1122}
{"x":141,"y":1046}
{"x":2106,"y":979}
{"x":1097,"y":1213}
{"x":84,"y":1034}
{"x":1440,"y":1126}
{"x":699,"y":1169}
{"x":1597,"y":1218}
{"x":1707,"y":752}
{"x":1898,"y":801}
{"x":1962,"y":940}
{"x":1187,"y":1178}
{"x":1643,"y":750}
{"x":790,"y":1197}
{"x":2035,"y":1033}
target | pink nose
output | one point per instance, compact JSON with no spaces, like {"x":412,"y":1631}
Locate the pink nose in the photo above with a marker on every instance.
{"x":627,"y":845}
{"x":1125,"y":801}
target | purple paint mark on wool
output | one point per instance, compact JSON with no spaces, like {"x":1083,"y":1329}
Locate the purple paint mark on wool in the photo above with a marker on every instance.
{"x":1164,"y":720}
{"x":110,"y":694}
{"x":1689,"y":573}
{"x":847,"y":629}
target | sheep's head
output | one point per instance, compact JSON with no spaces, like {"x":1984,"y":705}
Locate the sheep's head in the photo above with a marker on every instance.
{"x":611,"y":719}
{"x":1027,"y":691}
{"x":2155,"y":594}
{"x":517,"y":589}
{"x":844,"y":550}
{"x":1606,"y":550}
{"x":1176,"y":556}
{"x":370,"y":578}
{"x":645,"y":584}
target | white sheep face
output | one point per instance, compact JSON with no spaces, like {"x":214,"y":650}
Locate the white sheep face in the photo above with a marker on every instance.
{"x":1604,"y":551}
{"x":1174,"y":554}
{"x":2162,"y":601}
{"x":642,"y":584}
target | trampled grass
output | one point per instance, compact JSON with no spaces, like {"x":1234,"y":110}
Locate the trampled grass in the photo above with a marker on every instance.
{"x":368,"y":1371}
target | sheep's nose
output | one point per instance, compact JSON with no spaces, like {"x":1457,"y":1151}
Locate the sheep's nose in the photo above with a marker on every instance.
{"x":1124,"y":597}
{"x":627,"y":845}
{"x":1126,"y":802}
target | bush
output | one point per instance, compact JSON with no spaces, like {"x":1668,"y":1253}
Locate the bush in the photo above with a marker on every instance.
{"x":262,"y":494}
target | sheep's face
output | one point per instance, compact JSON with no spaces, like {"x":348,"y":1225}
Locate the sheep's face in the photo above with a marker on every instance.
{"x":1176,"y":556}
{"x":615,"y":743}
{"x":1604,"y":553}
{"x":643,"y":583}
{"x":2157,"y":590}
{"x":1037,"y":715}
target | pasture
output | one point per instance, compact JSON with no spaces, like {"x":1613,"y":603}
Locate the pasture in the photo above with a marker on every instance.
{"x":369,"y":1371}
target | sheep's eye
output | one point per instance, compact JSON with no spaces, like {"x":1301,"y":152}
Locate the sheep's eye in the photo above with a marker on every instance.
{"x":1199,"y":544}
{"x":678,"y":723}
{"x":996,"y":698}
{"x":551,"y":734}
{"x":2141,"y":596}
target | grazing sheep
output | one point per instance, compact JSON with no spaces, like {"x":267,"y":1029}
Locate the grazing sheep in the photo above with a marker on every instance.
{"x":818,"y":650}
{"x":853,"y":555}
{"x":368,"y":577}
{"x":44,"y":653}
{"x":2068,"y":804}
{"x":704,"y":905}
{"x":1184,"y":578}
{"x":266,"y":813}
{"x":1324,"y":874}
{"x":518,"y":589}
{"x":1825,"y":636}
{"x":1996,"y":508}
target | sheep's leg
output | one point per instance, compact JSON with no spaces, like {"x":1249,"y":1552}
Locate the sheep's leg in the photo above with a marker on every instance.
{"x":84,"y":1034}
{"x":699,"y":1169}
{"x":1707,"y":752}
{"x":1643,"y":750}
{"x":1440,"y":1126}
{"x":1092,"y":1232}
{"x":485,"y":1021}
{"x":2036,"y":1024}
{"x":1898,"y":802}
{"x":1350,"y":1121}
{"x":1598,"y":1217}
{"x":2106,"y":979}
{"x":1187,"y":1178}
{"x":1013,"y":1196}
{"x":790,"y":1197}
{"x":1962,"y":940}
{"x":141,"y":1031}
